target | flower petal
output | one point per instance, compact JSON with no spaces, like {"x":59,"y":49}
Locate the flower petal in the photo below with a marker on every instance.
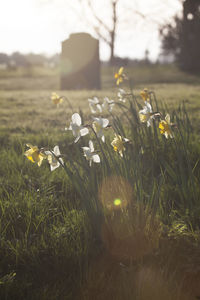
{"x":167,"y":119}
{"x":76,"y":119}
{"x":84,"y":131}
{"x":120,"y":70}
{"x":96,"y":158}
{"x":91,"y":146}
{"x":56,"y":150}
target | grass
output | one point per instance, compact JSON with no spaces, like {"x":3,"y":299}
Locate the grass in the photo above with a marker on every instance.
{"x":34,"y":110}
{"x":61,"y":236}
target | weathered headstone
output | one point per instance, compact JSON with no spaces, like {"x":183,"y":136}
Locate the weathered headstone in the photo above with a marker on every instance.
{"x":80,"y":64}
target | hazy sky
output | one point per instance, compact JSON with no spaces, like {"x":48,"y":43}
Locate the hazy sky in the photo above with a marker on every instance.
{"x":40,"y":25}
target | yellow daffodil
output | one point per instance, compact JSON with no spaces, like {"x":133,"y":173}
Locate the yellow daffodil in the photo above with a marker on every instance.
{"x":34,"y":154}
{"x":56,"y":99}
{"x":119,"y":76}
{"x":118,"y":144}
{"x":165,"y":127}
{"x":145,"y":94}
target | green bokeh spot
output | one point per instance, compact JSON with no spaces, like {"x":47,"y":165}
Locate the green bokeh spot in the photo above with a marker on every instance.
{"x":117,"y":202}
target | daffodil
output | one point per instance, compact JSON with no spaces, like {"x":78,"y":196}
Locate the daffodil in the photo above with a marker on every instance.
{"x":119,"y":76}
{"x":145,"y":94}
{"x":77,"y":129}
{"x":146,"y":114}
{"x":90,"y":155}
{"x":122,"y":95}
{"x":34,"y":154}
{"x":56,"y":99}
{"x":118,"y":144}
{"x":165,"y":127}
{"x":108,"y":104}
{"x":51,"y":156}
{"x":98,"y":125}
{"x":94,"y":105}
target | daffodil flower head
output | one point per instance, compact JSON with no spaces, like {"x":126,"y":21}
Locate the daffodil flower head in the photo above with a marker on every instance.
{"x":53,"y":161}
{"x":56,"y":99}
{"x":34,"y":154}
{"x":95,"y":105}
{"x":145,"y":94}
{"x":98,"y":125}
{"x":108,"y":104}
{"x":118,"y":144}
{"x":165,"y":127}
{"x":122,"y":95}
{"x":90,"y":155}
{"x":120,"y":76}
{"x":145,"y":114}
{"x":77,"y":129}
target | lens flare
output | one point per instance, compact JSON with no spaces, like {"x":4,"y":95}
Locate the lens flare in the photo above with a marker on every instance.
{"x":115,"y":193}
{"x":117,"y":202}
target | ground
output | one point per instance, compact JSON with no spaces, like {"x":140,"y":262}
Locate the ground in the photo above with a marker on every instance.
{"x":41,"y":231}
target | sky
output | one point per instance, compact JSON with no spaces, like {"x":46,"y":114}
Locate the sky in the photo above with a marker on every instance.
{"x":39,"y":26}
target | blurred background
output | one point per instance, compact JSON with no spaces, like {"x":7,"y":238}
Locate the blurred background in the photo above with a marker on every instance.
{"x":135,"y":33}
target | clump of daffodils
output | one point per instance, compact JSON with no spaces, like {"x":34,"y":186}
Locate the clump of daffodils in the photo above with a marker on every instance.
{"x":97,"y":127}
{"x":56,"y":99}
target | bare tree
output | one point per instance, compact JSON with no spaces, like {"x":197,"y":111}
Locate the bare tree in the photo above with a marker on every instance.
{"x":123,"y":13}
{"x":108,"y":32}
{"x":105,"y":32}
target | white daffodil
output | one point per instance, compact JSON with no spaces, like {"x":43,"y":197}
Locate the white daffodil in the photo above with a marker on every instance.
{"x":108,"y":104}
{"x":98,"y":125}
{"x":145,"y":114}
{"x":54,"y":163}
{"x":77,"y":129}
{"x":90,"y":155}
{"x":94,"y":105}
{"x":122,"y":95}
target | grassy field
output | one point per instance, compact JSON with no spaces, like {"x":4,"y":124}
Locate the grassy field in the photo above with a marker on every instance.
{"x":61,"y":236}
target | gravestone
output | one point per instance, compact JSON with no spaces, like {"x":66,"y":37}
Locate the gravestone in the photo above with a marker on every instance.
{"x":80,"y":64}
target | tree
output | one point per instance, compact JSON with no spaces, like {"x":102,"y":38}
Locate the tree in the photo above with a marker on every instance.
{"x":106,"y":30}
{"x":110,"y":32}
{"x":171,"y":38}
{"x":182,"y":39}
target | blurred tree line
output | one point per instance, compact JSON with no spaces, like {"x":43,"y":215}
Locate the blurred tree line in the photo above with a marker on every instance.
{"x":18,"y":59}
{"x":181,"y":38}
